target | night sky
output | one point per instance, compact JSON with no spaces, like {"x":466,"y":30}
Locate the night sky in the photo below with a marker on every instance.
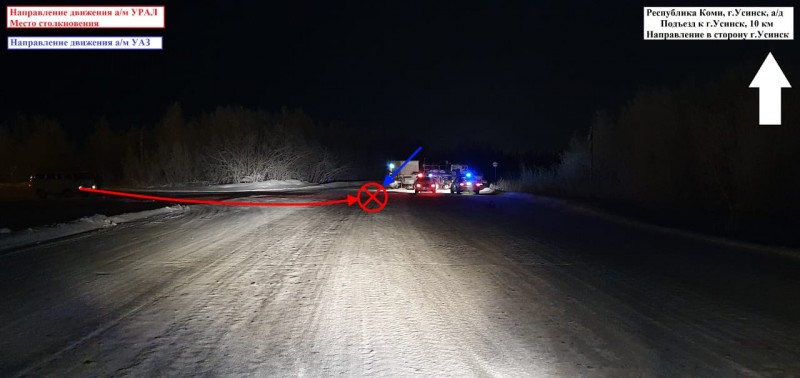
{"x":517,"y":75}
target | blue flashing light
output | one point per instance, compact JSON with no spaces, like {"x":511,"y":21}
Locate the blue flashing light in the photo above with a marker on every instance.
{"x":391,"y":166}
{"x":469,"y":174}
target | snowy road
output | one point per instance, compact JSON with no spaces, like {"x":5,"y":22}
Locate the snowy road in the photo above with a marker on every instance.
{"x":442,"y":285}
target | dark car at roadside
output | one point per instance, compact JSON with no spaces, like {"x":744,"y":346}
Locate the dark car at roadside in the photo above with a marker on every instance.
{"x":464,"y":184}
{"x":61,"y":184}
{"x":425,"y":184}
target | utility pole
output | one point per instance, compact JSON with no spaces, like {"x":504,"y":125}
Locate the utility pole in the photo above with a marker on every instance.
{"x":591,"y":155}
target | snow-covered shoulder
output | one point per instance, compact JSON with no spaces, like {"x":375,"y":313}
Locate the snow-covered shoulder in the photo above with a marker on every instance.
{"x":13,"y":240}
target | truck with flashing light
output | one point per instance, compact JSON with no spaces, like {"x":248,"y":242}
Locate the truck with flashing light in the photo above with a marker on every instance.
{"x":404,"y":176}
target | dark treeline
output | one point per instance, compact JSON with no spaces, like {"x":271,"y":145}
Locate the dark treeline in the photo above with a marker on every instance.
{"x":232,"y":145}
{"x":227,"y":145}
{"x":696,"y":147}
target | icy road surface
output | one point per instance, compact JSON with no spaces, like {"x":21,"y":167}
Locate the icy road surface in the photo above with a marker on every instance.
{"x":436,"y":285}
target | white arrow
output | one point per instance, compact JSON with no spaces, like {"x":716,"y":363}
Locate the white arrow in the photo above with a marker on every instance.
{"x":769,"y":80}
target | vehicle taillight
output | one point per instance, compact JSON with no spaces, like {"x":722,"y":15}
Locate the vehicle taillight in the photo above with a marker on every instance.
{"x":433,"y":186}
{"x":462,"y":184}
{"x":420,"y":175}
{"x":478,"y":184}
{"x":419,"y":186}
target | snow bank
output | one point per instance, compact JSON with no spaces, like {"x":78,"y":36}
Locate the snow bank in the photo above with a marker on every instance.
{"x":10,"y":240}
{"x":265,"y":186}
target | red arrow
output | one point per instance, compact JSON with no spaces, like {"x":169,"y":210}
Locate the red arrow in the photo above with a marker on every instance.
{"x":349,"y":201}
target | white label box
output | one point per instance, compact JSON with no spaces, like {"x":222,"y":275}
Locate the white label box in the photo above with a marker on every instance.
{"x":85,"y":43}
{"x":85,"y":17}
{"x":719,"y":23}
